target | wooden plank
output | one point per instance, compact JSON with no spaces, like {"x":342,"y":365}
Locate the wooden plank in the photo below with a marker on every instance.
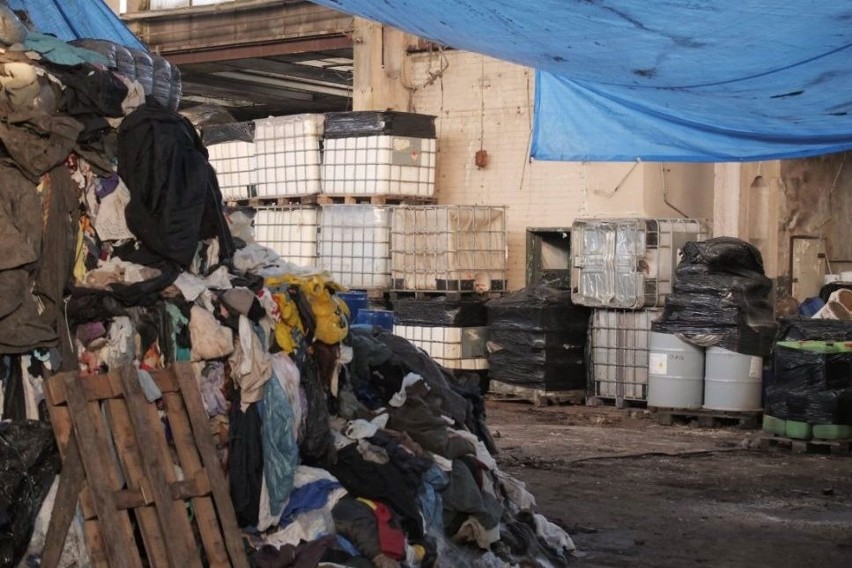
{"x":115,"y":529}
{"x":71,"y":482}
{"x":171,"y":514}
{"x":95,"y":387}
{"x":60,"y":419}
{"x":135,"y":497}
{"x":97,"y":547}
{"x":204,"y":442}
{"x":205,"y":512}
{"x":165,"y":380}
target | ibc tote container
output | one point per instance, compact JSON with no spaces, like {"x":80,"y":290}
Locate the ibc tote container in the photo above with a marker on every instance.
{"x":628,"y":263}
{"x":448,"y":247}
{"x":354,"y":245}
{"x":236,"y":169}
{"x":379,"y":153}
{"x":619,"y":343}
{"x":289,"y":230}
{"x":289,"y":155}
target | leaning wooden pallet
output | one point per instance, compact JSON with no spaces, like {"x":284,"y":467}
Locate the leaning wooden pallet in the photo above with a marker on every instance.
{"x":118,"y":466}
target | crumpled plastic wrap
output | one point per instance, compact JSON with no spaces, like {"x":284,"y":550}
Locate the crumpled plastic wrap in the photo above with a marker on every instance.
{"x":440,"y":312}
{"x":537,"y":308}
{"x":374,"y":123}
{"x":29,"y":461}
{"x":812,"y":383}
{"x":804,"y":329}
{"x":721,"y":254}
{"x":217,"y":125}
{"x":537,"y":339}
{"x":721,"y":298}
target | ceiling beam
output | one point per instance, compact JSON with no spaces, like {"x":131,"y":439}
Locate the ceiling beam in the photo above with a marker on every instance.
{"x":232,"y":53}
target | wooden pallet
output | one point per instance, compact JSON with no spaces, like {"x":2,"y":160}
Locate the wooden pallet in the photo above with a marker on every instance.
{"x":707,"y":418}
{"x":118,"y":465}
{"x":350,"y":199}
{"x":539,"y":397}
{"x":449,"y":294}
{"x":610,"y":401}
{"x":256,"y":202}
{"x":830,"y":447}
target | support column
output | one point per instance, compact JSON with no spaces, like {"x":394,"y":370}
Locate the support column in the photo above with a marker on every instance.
{"x":379,"y":56}
{"x":726,"y":200}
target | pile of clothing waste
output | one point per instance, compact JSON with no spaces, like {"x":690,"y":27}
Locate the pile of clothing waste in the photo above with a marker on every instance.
{"x":343,"y":447}
{"x":721,"y":297}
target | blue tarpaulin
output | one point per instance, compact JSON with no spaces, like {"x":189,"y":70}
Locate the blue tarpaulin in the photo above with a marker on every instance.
{"x":670,"y":80}
{"x":77,"y":19}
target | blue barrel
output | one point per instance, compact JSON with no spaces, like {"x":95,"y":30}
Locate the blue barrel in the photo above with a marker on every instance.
{"x":375,"y":318}
{"x":357,"y":300}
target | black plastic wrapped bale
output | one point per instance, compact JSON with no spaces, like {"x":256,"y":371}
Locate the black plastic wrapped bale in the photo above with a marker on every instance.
{"x":722,"y":254}
{"x":812,"y":366}
{"x":537,"y":309}
{"x":520,"y":340}
{"x":721,"y":298}
{"x":812,"y":383}
{"x":823,"y":407}
{"x":548,"y":369}
{"x":372,"y":123}
{"x":440,"y":312}
{"x":537,"y":339}
{"x":809,"y":329}
{"x":29,"y":461}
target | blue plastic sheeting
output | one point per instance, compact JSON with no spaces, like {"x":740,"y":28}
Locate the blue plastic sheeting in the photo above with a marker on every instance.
{"x":77,"y":19}
{"x":665,"y":80}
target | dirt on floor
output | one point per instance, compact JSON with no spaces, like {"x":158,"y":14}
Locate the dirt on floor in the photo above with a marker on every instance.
{"x":606,"y":476}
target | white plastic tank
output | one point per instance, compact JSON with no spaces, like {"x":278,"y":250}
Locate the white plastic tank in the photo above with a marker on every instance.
{"x":732,"y":381}
{"x":675,"y":373}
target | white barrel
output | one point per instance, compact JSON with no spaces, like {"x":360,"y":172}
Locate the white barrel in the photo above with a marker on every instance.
{"x":732,"y":381}
{"x":675,"y":373}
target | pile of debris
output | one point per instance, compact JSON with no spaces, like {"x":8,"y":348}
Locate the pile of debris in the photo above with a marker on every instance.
{"x":343,"y":446}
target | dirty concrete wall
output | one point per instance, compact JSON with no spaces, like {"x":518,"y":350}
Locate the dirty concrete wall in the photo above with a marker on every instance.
{"x":678,"y":189}
{"x":817,"y":203}
{"x":483,"y":103}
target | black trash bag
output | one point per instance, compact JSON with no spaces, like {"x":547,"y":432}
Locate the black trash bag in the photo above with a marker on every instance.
{"x":217,"y":125}
{"x":316,"y":447}
{"x":29,"y":462}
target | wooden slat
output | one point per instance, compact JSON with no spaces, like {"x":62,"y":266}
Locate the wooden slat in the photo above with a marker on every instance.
{"x":131,"y":463}
{"x":95,"y":387}
{"x":205,"y":513}
{"x":165,"y":380}
{"x":71,"y":482}
{"x":116,"y":532}
{"x":60,"y":419}
{"x":149,"y":435}
{"x":210,"y":461}
{"x":199,"y":486}
{"x":97,"y":548}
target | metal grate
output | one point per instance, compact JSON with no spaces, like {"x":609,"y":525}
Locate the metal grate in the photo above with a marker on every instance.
{"x":379,"y":165}
{"x":289,"y":230}
{"x":619,"y":343}
{"x":449,"y":247}
{"x":354,"y":245}
{"x":289,"y":155}
{"x":236,"y":169}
